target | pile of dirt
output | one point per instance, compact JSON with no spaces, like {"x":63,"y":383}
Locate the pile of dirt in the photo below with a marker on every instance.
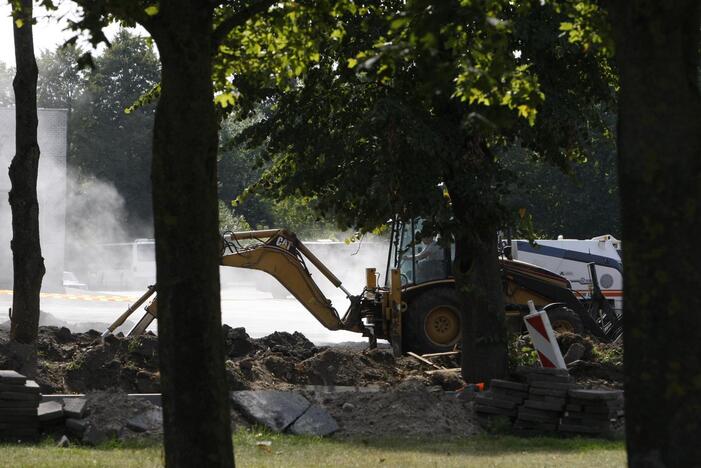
{"x":409,"y":409}
{"x":83,"y":362}
{"x":111,"y":415}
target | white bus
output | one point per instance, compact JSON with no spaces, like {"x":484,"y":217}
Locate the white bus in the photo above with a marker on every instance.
{"x":125,"y":265}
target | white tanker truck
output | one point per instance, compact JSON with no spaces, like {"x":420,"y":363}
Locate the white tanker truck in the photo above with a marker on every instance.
{"x":571,"y":257}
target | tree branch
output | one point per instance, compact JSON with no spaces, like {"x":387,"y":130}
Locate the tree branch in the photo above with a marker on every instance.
{"x":239,"y":18}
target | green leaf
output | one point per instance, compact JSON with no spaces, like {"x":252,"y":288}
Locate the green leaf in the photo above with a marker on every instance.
{"x":151,"y":10}
{"x":352,"y":62}
{"x":19,"y":23}
{"x":566,"y":26}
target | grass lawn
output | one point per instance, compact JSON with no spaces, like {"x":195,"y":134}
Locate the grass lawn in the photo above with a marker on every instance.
{"x":291,"y":451}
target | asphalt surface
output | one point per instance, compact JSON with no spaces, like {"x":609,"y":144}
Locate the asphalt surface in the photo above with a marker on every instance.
{"x":243,"y":305}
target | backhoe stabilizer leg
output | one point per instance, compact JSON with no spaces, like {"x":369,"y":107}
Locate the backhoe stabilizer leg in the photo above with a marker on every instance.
{"x":142,"y":325}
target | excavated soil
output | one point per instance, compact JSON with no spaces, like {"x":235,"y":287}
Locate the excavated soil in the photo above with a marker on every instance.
{"x":409,"y":409}
{"x":83,"y":362}
{"x":404,"y":399}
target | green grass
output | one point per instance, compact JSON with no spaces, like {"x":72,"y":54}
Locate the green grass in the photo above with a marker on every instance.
{"x":292,"y":451}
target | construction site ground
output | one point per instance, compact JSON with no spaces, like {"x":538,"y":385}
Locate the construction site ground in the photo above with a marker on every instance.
{"x":369,"y":392}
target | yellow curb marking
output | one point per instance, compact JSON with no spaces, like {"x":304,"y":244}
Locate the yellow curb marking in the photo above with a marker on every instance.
{"x":79,"y":297}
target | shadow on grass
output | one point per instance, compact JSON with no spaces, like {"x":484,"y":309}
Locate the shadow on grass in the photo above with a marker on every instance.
{"x":483,"y":444}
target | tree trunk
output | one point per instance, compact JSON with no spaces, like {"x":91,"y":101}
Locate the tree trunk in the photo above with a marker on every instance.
{"x":195,"y":393}
{"x":476,"y":268}
{"x":27,"y":261}
{"x":659,"y":144}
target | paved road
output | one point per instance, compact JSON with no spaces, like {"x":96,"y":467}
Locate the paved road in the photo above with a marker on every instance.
{"x":242,"y":306}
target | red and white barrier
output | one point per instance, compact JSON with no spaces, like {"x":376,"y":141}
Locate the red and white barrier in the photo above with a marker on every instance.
{"x":543,"y":338}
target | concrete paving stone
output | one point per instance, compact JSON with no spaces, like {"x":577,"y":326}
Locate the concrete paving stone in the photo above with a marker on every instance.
{"x":21,"y":432}
{"x":554,"y":385}
{"x":271,"y":408}
{"x":586,"y":394}
{"x":17,"y":412}
{"x":509,"y":385}
{"x":496,"y":402}
{"x":315,"y":421}
{"x":494,"y":410}
{"x":12,"y":377}
{"x":532,"y":378}
{"x":64,"y":442}
{"x":544,"y":405}
{"x":17,"y":418}
{"x":76,"y":427}
{"x":74,"y":407}
{"x":29,"y":387}
{"x":50,"y":411}
{"x":548,"y":398}
{"x":20,"y":396}
{"x":547,"y":391}
{"x":528,"y":414}
{"x":18,"y":404}
{"x":537,"y":427}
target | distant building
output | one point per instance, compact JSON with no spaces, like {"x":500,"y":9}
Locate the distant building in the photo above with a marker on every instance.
{"x":51,"y":188}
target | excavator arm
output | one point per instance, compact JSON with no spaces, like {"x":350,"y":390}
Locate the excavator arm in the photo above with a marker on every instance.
{"x":279,"y":253}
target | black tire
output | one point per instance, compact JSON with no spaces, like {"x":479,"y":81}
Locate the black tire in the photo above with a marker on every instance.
{"x":432,"y":321}
{"x":563,"y":320}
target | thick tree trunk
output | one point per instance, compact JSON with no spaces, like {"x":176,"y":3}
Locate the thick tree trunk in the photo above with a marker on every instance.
{"x":476,"y":268}
{"x":478,"y":281}
{"x":659,"y":142}
{"x":195,"y":393}
{"x":27,"y":261}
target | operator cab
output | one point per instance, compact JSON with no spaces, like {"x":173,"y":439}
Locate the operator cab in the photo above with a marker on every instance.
{"x":420,"y":257}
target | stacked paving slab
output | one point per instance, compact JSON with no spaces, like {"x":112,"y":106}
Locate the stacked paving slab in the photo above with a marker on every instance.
{"x":19,"y":400}
{"x":546,"y":401}
{"x":503,"y":399}
{"x":593,"y":412}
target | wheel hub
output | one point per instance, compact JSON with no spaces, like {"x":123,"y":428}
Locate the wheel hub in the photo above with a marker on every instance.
{"x":443,"y":325}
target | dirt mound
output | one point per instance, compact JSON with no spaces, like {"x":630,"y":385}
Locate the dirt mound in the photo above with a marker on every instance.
{"x":130,"y":364}
{"x":294,"y":345}
{"x":409,"y":409}
{"x":112,"y":414}
{"x":83,"y":362}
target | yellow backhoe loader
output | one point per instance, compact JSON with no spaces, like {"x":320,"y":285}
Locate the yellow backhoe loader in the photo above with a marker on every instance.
{"x":417,"y":309}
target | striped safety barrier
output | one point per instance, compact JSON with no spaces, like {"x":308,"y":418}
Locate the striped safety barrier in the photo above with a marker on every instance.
{"x":543,"y":338}
{"x":79,"y":297}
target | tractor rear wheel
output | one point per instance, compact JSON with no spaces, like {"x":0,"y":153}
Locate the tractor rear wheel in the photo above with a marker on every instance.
{"x":432,"y":321}
{"x":564,"y":320}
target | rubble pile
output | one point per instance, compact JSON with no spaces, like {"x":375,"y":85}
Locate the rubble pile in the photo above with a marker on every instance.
{"x":83,"y":362}
{"x":100,"y":417}
{"x":541,"y":401}
{"x":409,"y":409}
{"x":19,"y":399}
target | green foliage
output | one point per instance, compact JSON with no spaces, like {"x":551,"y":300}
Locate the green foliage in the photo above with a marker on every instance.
{"x":521,"y":352}
{"x":299,"y":216}
{"x":61,"y":83}
{"x":430,"y":94}
{"x":230,"y":222}
{"x":608,"y":354}
{"x":580,"y":202}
